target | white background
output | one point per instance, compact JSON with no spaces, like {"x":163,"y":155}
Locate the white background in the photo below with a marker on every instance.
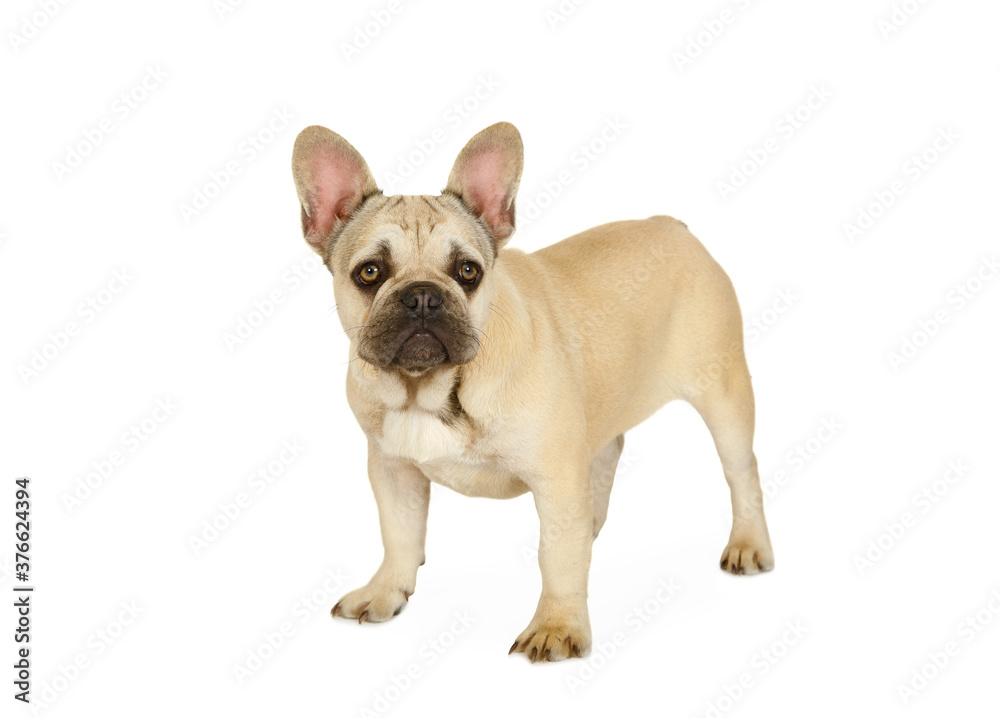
{"x":312,"y":532}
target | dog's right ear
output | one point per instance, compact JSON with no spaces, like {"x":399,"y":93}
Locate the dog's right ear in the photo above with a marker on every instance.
{"x":331,"y":179}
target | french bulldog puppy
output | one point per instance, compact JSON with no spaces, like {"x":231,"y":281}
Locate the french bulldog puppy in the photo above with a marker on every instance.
{"x":496,"y":372}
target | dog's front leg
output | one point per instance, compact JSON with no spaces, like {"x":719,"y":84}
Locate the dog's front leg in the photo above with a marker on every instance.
{"x":402,"y":493}
{"x":561,"y":625}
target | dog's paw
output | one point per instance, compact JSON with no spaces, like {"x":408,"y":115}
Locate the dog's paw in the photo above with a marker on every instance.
{"x":747,"y":557}
{"x":552,"y":641}
{"x":372,"y":603}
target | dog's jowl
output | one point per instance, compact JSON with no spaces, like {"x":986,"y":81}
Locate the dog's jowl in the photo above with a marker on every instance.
{"x":496,"y":372}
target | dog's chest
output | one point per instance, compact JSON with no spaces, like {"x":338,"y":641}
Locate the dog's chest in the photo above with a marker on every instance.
{"x":446,"y":453}
{"x":421,"y":436}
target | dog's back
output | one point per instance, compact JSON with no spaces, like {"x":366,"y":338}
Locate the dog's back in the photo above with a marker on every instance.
{"x":647,"y":309}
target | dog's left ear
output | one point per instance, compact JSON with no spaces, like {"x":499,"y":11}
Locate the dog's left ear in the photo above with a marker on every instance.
{"x":486,"y":175}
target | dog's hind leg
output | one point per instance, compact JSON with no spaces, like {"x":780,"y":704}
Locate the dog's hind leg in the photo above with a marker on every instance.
{"x":727,"y":406}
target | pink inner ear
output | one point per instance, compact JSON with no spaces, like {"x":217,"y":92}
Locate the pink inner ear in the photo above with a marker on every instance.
{"x":483,"y":187}
{"x":336,"y":191}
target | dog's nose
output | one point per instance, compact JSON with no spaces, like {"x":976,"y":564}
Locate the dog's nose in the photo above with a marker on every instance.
{"x":423,"y":300}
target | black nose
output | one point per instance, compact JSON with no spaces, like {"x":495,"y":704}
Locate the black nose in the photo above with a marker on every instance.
{"x":422,"y":300}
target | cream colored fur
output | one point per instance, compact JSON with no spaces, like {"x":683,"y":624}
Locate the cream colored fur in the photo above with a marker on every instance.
{"x":576,"y":343}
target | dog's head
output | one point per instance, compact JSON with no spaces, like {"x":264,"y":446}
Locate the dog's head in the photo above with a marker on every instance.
{"x":412,"y":274}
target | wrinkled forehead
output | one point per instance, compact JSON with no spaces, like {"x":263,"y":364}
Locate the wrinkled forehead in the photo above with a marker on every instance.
{"x":417,"y":228}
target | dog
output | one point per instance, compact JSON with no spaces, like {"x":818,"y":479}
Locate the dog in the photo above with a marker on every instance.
{"x":495,"y":372}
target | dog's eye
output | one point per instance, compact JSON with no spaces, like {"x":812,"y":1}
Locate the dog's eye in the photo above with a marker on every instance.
{"x":468,"y":272}
{"x":369,"y":273}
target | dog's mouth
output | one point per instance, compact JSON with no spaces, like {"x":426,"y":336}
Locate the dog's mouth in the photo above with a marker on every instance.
{"x":421,"y":350}
{"x":400,"y":338}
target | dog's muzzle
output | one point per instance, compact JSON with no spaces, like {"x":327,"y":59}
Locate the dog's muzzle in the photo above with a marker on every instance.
{"x":417,"y":329}
{"x":424,"y":347}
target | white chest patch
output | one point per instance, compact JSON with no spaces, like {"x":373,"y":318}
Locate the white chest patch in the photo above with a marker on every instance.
{"x":420,"y":436}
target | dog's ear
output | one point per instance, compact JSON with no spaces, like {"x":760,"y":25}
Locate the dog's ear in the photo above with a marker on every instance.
{"x":331,"y":179}
{"x":486,"y":175}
